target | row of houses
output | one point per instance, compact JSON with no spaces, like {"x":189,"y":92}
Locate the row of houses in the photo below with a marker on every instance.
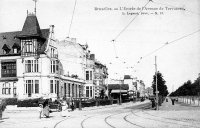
{"x":34,"y":64}
{"x":129,"y":85}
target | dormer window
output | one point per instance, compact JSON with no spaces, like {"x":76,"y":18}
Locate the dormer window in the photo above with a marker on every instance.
{"x":16,"y":48}
{"x":6,"y":49}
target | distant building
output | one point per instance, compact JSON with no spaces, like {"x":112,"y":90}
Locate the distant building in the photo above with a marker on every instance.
{"x":77,"y":61}
{"x":149,"y":91}
{"x":141,"y":88}
{"x":132,"y":88}
{"x":115,"y":90}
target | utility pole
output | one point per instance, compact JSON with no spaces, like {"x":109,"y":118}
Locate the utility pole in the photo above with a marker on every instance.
{"x":156,"y":84}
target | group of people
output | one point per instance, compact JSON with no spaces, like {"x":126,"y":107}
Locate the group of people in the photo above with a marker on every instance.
{"x":63,"y":106}
{"x":44,"y":109}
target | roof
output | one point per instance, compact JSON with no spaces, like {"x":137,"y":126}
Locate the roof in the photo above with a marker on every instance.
{"x":127,"y":77}
{"x":118,"y":86}
{"x":31,"y":27}
{"x":9,"y":38}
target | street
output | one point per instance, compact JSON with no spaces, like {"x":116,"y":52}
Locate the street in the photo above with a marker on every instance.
{"x":127,"y":115}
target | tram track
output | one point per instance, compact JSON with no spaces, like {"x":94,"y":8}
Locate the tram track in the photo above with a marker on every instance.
{"x":125,"y":117}
{"x":85,"y":121}
{"x":166,"y":122}
{"x":173,"y":119}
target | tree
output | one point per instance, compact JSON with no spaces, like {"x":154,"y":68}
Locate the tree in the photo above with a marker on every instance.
{"x":188,"y":89}
{"x":162,"y":88}
{"x":102,"y":93}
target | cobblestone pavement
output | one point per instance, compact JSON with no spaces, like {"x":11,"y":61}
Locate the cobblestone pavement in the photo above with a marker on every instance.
{"x":128,"y":115}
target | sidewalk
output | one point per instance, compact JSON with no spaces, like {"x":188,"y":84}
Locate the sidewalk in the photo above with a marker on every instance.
{"x":178,"y":106}
{"x":179,"y":112}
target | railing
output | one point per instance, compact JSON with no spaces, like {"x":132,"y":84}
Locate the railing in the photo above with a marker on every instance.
{"x":54,"y":55}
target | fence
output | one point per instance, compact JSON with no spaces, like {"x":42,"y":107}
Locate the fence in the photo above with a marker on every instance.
{"x":192,"y":100}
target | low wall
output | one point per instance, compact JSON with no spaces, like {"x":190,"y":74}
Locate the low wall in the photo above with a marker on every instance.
{"x":192,"y":100}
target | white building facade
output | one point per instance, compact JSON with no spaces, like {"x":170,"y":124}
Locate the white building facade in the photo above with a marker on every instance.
{"x":77,"y":61}
{"x":30,"y":66}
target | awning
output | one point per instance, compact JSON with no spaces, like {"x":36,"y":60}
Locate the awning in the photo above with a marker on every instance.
{"x":118,"y":86}
{"x":118,"y":91}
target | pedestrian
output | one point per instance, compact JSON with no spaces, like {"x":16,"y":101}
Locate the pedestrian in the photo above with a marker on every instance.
{"x":65,"y":111}
{"x":173,"y":101}
{"x":72,"y":106}
{"x":153,"y":103}
{"x":46,"y":109}
{"x":40,"y":110}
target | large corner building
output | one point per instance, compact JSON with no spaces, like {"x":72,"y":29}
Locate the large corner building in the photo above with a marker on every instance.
{"x":30,"y":67}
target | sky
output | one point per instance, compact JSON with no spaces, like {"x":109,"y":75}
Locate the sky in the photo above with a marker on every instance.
{"x":99,"y":22}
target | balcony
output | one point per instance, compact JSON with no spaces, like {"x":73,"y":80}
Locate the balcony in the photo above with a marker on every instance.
{"x":54,"y":56}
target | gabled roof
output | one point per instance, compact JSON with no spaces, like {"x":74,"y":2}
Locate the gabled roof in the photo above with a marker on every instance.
{"x":6,"y":47}
{"x":31,"y":27}
{"x":16,"y":45}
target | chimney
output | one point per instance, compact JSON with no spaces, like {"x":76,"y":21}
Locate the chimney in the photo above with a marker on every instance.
{"x":73,"y":40}
{"x":52,"y":28}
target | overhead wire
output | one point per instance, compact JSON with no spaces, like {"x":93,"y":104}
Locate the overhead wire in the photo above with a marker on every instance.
{"x":114,"y":40}
{"x":130,"y":22}
{"x":72,"y":18}
{"x":170,"y":42}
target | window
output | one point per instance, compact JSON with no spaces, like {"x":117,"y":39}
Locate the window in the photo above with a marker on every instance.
{"x":15,"y":50}
{"x":53,"y":53}
{"x":90,"y":91}
{"x":54,"y":66}
{"x":87,"y":75}
{"x":6,"y":49}
{"x":31,"y":86}
{"x":87,"y":91}
{"x":65,"y":89}
{"x":90,"y":75}
{"x":8,"y":69}
{"x":69,"y":90}
{"x":14,"y":88}
{"x":51,"y":86}
{"x":6,"y":89}
{"x":55,"y":87}
{"x":29,"y":47}
{"x":31,"y":65}
{"x":73,"y":90}
{"x":36,"y":86}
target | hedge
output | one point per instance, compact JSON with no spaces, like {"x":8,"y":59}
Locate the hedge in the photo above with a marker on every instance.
{"x":11,"y":101}
{"x":28,"y":103}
